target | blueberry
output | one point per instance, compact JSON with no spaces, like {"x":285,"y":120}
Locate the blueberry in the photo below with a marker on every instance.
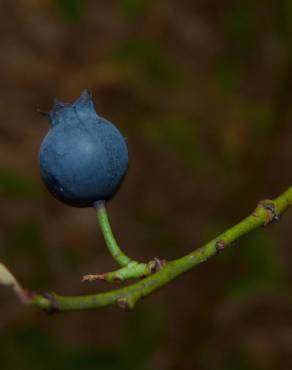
{"x":83,"y":158}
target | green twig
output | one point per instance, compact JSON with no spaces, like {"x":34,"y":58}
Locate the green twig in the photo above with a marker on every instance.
{"x":265,"y":213}
{"x":113,"y":247}
{"x":133,"y":270}
{"x":130,"y":269}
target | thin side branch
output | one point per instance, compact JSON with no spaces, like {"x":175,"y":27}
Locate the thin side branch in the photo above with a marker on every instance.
{"x":130,"y":269}
{"x":265,"y":213}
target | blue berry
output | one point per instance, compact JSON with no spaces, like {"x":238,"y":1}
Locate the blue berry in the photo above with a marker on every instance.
{"x":83,"y":158}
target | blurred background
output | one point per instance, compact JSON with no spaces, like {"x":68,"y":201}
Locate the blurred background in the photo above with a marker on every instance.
{"x":202,"y":91}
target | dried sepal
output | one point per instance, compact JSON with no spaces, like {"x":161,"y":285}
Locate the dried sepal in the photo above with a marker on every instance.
{"x":9,"y":280}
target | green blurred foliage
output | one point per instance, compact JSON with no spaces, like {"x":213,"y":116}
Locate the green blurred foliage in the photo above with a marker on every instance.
{"x":149,"y":64}
{"x":26,"y":238}
{"x":35,"y":345}
{"x":178,"y":136}
{"x":228,"y":74}
{"x":135,"y":8}
{"x":239,"y":360}
{"x":38,"y":350}
{"x":261,"y":269}
{"x":241,"y":26}
{"x":19,"y":187}
{"x":284,"y":18}
{"x":71,"y":11}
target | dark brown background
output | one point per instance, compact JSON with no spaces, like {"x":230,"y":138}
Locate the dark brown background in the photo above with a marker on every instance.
{"x":202,"y":90}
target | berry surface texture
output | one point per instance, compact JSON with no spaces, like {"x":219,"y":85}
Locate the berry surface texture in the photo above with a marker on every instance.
{"x":83,"y":158}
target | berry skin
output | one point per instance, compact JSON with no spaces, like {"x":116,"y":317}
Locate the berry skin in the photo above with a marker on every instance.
{"x":83,"y":158}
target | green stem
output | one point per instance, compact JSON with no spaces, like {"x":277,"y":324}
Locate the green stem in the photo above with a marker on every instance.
{"x":116,"y":252}
{"x":133,"y":270}
{"x":265,"y":213}
{"x":130,"y":269}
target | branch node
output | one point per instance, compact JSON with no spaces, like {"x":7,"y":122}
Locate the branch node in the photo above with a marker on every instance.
{"x":272,"y":214}
{"x":156,"y":265}
{"x":123,"y":303}
{"x":26,"y":296}
{"x":129,"y":302}
{"x":220,"y":245}
{"x":54,"y":306}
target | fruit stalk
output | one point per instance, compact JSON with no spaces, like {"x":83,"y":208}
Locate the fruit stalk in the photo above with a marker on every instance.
{"x":130,"y":269}
{"x":112,"y":245}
